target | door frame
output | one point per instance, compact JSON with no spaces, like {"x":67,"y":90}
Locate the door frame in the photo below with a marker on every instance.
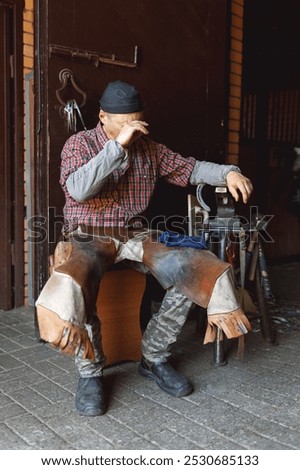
{"x":12,"y":174}
{"x":40,"y":247}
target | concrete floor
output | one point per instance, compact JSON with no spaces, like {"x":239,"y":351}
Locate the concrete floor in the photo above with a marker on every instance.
{"x":248,"y":404}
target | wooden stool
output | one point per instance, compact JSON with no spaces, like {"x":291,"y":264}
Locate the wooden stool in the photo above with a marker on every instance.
{"x":118,"y":306}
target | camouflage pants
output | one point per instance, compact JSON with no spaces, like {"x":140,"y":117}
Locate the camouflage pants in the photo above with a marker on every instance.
{"x":161,"y":332}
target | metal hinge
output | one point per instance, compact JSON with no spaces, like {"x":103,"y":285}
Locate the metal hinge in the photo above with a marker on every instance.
{"x":12,"y":66}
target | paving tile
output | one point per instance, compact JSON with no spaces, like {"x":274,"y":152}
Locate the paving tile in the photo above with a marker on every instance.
{"x":8,"y":362}
{"x":37,"y":434}
{"x":141,"y":414}
{"x":127,"y":397}
{"x":241,"y":402}
{"x":78,"y":436}
{"x":24,"y":314}
{"x":157,"y":423}
{"x":10,"y":440}
{"x":290,"y":387}
{"x":120,"y":436}
{"x":267,"y":396}
{"x":51,"y":391}
{"x":36,"y":353}
{"x":211,"y":413}
{"x":166,"y":438}
{"x":4,"y":400}
{"x":25,"y":329}
{"x":8,"y":332}
{"x":220,"y":381}
{"x":11,"y":411}
{"x":288,"y":415}
{"x":11,"y":318}
{"x":202,"y":437}
{"x":9,"y":345}
{"x":285,"y":437}
{"x":51,"y":412}
{"x":273,"y":380}
{"x":255,"y":441}
{"x":64,"y":362}
{"x":68,"y":381}
{"x":291,"y":370}
{"x":25,"y":341}
{"x":18,"y":379}
{"x":47,"y":369}
{"x":29,"y":398}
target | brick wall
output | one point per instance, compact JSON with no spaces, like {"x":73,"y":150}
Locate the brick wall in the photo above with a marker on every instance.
{"x":235,"y":80}
{"x":28,"y":36}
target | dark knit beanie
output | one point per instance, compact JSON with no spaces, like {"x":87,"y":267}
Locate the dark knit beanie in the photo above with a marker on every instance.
{"x":121,"y":98}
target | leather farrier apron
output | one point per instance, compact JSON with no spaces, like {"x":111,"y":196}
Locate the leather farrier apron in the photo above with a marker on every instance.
{"x":68,"y":299}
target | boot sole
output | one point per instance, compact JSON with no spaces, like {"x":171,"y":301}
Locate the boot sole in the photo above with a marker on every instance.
{"x":183,"y":392}
{"x":90,"y":411}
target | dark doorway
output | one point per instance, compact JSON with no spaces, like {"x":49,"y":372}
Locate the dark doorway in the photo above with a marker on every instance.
{"x":270,"y":127}
{"x":11,"y":156}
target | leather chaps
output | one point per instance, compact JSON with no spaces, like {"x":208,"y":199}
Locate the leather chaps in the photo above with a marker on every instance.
{"x":68,"y":298}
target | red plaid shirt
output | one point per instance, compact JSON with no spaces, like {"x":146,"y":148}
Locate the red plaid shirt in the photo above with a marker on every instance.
{"x":127,"y":191}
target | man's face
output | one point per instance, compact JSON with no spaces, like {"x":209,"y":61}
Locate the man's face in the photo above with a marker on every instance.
{"x":113,"y":123}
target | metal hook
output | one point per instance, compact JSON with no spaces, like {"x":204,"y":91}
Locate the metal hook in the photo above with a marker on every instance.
{"x":66,"y":77}
{"x":70,"y":111}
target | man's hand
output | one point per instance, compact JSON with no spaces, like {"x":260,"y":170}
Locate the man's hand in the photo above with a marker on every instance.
{"x":238,"y":183}
{"x":131,"y":131}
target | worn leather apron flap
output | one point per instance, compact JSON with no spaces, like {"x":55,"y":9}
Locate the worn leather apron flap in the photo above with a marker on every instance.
{"x":88,"y":260}
{"x":193,"y":271}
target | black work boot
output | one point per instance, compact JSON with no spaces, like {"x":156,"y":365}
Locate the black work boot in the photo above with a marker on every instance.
{"x":166,"y":377}
{"x":90,"y":400}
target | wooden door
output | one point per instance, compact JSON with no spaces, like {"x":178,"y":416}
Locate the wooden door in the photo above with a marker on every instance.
{"x":180,"y":72}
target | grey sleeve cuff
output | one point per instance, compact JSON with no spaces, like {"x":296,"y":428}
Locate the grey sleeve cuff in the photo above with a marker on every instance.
{"x":87,"y":181}
{"x":211,"y":173}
